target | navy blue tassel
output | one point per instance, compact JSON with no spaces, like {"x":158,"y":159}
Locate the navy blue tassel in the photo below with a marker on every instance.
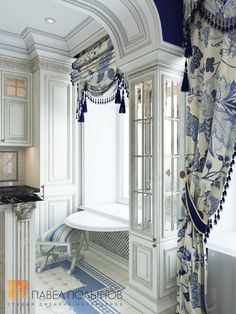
{"x":228,"y":179}
{"x":81,"y":117}
{"x":224,"y":194}
{"x":188,"y":50}
{"x":118,"y":97}
{"x":85,"y":109}
{"x":185,"y":83}
{"x":122,"y":104}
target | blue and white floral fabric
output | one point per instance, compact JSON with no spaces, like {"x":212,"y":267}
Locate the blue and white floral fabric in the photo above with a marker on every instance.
{"x":211,"y":136}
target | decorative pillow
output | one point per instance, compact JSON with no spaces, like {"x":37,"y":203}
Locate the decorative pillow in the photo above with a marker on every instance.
{"x":61,"y":233}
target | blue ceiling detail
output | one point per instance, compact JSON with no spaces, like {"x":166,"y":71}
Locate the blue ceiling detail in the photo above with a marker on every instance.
{"x":171,"y":15}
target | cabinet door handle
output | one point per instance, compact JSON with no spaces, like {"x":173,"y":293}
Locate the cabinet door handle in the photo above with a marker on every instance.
{"x":42,"y":190}
{"x":154,"y":245}
{"x":182,"y":174}
{"x":2,"y":140}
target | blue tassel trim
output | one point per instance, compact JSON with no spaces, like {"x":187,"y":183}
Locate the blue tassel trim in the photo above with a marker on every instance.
{"x":222,"y":201}
{"x":185,"y":83}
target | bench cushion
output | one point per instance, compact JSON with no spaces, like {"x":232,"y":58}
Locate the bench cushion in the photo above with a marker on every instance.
{"x":62,"y":234}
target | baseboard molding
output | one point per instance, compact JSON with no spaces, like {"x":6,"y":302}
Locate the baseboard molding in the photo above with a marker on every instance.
{"x":113,"y":258}
{"x":166,"y":305}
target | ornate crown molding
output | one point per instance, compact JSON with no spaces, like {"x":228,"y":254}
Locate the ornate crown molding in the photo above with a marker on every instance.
{"x":51,"y":65}
{"x":9,"y":64}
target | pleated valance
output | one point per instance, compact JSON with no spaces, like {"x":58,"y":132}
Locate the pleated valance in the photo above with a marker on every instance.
{"x":219,"y":15}
{"x":95,"y":71}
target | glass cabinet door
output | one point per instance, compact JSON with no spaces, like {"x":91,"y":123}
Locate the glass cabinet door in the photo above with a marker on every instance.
{"x":15,"y":86}
{"x":141,"y":157}
{"x":174,"y":151}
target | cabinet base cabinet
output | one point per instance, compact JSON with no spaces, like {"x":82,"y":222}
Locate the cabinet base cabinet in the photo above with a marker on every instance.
{"x":143,"y":265}
{"x":152,"y":275}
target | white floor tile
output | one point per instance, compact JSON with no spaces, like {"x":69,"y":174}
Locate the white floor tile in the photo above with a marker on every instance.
{"x":131,"y":310}
{"x":56,"y":278}
{"x":120,"y":305}
{"x":124,"y":283}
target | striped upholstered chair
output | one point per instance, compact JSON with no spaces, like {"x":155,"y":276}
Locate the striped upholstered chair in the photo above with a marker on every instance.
{"x":61,"y":237}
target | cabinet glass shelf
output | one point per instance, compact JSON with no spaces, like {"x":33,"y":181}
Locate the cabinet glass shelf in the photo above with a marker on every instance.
{"x":141,"y":155}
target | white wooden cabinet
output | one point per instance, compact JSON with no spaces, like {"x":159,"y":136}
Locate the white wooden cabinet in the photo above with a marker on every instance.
{"x":157,"y":114}
{"x":15,"y":109}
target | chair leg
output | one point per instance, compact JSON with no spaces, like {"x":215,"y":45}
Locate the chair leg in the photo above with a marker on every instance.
{"x":72,"y":266}
{"x":46,"y":255}
{"x":77,"y":256}
{"x":75,"y":259}
{"x":54,"y":256}
{"x":43,"y":266}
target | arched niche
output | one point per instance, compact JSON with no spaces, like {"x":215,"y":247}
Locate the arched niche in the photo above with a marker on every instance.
{"x":134,"y":27}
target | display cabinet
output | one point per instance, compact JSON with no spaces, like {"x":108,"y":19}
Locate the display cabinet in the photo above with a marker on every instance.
{"x":157,"y":153}
{"x":173,"y":151}
{"x":141,"y":159}
{"x":15,"y":109}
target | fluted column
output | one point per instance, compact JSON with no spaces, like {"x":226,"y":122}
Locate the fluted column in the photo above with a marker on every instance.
{"x":2,"y":261}
{"x":24,"y":256}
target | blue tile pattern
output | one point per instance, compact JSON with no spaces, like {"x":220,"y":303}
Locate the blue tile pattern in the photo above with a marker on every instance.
{"x":95,"y":291}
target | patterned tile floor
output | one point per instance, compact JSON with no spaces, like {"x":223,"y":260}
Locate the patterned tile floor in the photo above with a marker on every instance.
{"x":94,"y":274}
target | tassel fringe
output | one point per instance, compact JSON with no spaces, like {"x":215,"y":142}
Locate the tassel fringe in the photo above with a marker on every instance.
{"x":222,"y":201}
{"x":188,"y":49}
{"x":122,"y":104}
{"x":185,"y":83}
{"x":116,"y":97}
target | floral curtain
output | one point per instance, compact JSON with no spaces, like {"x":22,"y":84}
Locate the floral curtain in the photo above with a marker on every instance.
{"x":211,"y":134}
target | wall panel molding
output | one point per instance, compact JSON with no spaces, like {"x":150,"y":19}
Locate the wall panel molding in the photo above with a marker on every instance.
{"x":168,"y":256}
{"x":142,"y":265}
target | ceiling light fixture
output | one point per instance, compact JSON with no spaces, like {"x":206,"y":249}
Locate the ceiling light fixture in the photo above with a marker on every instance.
{"x":50,"y":20}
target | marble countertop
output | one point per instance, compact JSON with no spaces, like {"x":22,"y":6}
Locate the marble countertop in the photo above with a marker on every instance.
{"x":18,"y":189}
{"x":19,"y":194}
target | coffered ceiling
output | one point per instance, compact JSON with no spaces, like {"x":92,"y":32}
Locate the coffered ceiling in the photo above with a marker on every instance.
{"x":22,"y":26}
{"x":15,"y":15}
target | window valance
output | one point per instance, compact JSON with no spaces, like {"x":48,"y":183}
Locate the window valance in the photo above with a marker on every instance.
{"x":96,"y":72}
{"x":220,"y":15}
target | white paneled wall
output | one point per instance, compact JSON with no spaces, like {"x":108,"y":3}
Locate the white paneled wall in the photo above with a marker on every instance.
{"x":58,"y":153}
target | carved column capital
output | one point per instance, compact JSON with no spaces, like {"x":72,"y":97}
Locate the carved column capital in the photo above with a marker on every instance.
{"x":24,"y":211}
